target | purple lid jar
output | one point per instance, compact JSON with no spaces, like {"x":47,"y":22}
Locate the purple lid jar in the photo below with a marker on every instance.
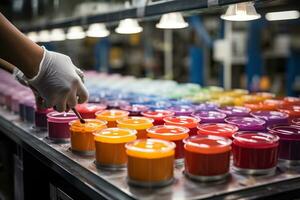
{"x":296,"y":121}
{"x":235,"y":111}
{"x":289,"y":143}
{"x":116,"y":104}
{"x":182,"y":110}
{"x":271,"y":117}
{"x":247,"y":123}
{"x":58,"y":125}
{"x":209,"y":116}
{"x":135,"y":109}
{"x":206,"y":107}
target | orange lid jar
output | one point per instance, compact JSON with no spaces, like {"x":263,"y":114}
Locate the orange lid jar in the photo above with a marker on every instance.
{"x":140,"y":124}
{"x":82,"y":138}
{"x":111,"y":116}
{"x":110,"y":147}
{"x":150,"y":162}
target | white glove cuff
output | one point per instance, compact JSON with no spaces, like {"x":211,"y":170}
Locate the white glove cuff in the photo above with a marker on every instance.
{"x":40,"y":67}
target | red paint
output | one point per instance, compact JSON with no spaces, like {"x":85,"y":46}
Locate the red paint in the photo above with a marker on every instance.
{"x":218,"y":129}
{"x":158,"y":115}
{"x":254,"y":150}
{"x":88,"y":110}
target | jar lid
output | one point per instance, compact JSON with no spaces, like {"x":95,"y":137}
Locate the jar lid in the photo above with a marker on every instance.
{"x":58,"y":117}
{"x":116,"y":103}
{"x":252,"y":139}
{"x":111,"y":115}
{"x":150,"y":148}
{"x":157,"y":114}
{"x":296,"y":121}
{"x":168,"y":132}
{"x":90,"y":125}
{"x":234,"y":110}
{"x":291,"y":100}
{"x":90,"y":107}
{"x":292,"y":111}
{"x":207,"y":144}
{"x":218,"y":129}
{"x":286,"y":131}
{"x":186,"y":121}
{"x":206,"y":107}
{"x":182,"y":109}
{"x":115,"y":135}
{"x":137,"y":123}
{"x":270,"y":115}
{"x":265,"y":95}
{"x":245,"y":122}
{"x":209,"y":115}
{"x":135,"y":108}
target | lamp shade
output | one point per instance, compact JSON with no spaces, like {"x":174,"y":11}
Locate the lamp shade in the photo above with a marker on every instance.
{"x":241,"y":12}
{"x":173,"y":20}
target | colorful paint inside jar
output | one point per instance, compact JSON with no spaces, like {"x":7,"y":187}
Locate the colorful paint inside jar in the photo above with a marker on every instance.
{"x":271,"y":117}
{"x":217,"y":129}
{"x":58,"y":126}
{"x":247,"y":123}
{"x":88,"y":110}
{"x":235,"y":111}
{"x":207,"y":158}
{"x":158,"y":115}
{"x":111,"y":116}
{"x":171,"y":133}
{"x":182,"y":110}
{"x":135,"y":109}
{"x":82,"y":138}
{"x":210,"y":116}
{"x":110,"y":147}
{"x":255,"y":152}
{"x":185,"y":121}
{"x":140,"y":124}
{"x":150,"y":162}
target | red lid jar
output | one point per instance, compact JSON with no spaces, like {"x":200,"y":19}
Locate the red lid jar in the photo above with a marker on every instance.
{"x":217,"y":129}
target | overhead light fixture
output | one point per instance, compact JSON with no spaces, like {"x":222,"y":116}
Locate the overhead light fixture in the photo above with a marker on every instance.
{"x":283,"y":15}
{"x":241,"y":12}
{"x":75,"y":33}
{"x":57,"y":34}
{"x":33,"y":36}
{"x":129,"y":26}
{"x":97,"y":30}
{"x":173,"y":20}
{"x":44,"y":36}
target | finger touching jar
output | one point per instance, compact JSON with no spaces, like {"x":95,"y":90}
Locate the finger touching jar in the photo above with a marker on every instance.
{"x":111,"y":116}
{"x":185,"y":121}
{"x":88,"y":110}
{"x":207,"y":158}
{"x":247,"y":123}
{"x":140,"y":124}
{"x":210,"y":116}
{"x":271,"y":117}
{"x":171,"y":133}
{"x":110,"y":147}
{"x":217,"y":129}
{"x":58,"y":125}
{"x":255,"y":152}
{"x":82,"y":138}
{"x":158,"y":115}
{"x":150,"y":162}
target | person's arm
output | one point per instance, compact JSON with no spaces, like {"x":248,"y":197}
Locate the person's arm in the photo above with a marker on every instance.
{"x":6,"y":66}
{"x":19,"y":50}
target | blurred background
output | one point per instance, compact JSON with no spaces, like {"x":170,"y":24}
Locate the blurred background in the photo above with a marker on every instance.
{"x":191,"y":45}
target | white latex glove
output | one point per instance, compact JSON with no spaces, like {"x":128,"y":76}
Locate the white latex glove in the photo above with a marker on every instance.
{"x":58,"y":82}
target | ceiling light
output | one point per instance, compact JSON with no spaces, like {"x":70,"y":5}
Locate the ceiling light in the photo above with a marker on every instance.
{"x":97,"y":30}
{"x":44,"y":36}
{"x":57,"y":34}
{"x":33,"y":36}
{"x":283,"y":15}
{"x":75,"y":33}
{"x":129,"y":26}
{"x":241,"y":12}
{"x":173,"y":20}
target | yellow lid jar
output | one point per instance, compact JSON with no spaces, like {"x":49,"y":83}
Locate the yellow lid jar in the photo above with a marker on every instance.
{"x":140,"y":124}
{"x":111,"y":116}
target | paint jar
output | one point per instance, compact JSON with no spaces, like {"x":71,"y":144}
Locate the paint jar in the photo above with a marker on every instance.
{"x":271,"y":117}
{"x":272,"y":104}
{"x":223,"y":101}
{"x":150,"y":162}
{"x":110,"y":147}
{"x":247,"y":123}
{"x":135,"y":109}
{"x":41,"y":118}
{"x":256,"y":106}
{"x":296,"y":121}
{"x":207,"y":158}
{"x":58,"y":126}
{"x":171,"y":133}
{"x":140,"y":124}
{"x":88,"y":110}
{"x":116,"y":104}
{"x":111,"y":116}
{"x":289,"y":143}
{"x":82,"y":138}
{"x":292,"y":111}
{"x":206,"y":107}
{"x":210,"y":116}
{"x":217,"y":129}
{"x":182,"y":110}
{"x":255,"y":152}
{"x":235,"y":111}
{"x":185,"y":121}
{"x":158,"y":115}
{"x":291,"y":101}
{"x":29,"y":110}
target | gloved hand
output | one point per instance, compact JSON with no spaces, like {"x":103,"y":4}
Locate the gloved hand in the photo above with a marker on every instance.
{"x":58,"y":82}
